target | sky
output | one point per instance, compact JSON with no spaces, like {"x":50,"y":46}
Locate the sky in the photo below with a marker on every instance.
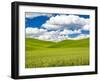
{"x":56,"y":27}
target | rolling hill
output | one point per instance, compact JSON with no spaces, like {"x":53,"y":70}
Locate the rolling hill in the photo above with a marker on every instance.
{"x":38,"y":44}
{"x":32,"y":44}
{"x":40,"y":53}
{"x":71,"y":43}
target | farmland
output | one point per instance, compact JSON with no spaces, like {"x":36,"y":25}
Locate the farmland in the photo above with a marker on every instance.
{"x":56,"y":54}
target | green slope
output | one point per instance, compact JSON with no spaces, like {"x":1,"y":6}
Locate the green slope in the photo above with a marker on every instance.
{"x":32,"y":44}
{"x":40,"y":53}
{"x":71,"y":43}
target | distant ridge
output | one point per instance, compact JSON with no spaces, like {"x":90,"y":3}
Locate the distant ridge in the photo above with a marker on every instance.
{"x":32,"y":43}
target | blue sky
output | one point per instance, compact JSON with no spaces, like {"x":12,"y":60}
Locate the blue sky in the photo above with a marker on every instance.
{"x":36,"y":22}
{"x":56,"y":26}
{"x":39,"y":20}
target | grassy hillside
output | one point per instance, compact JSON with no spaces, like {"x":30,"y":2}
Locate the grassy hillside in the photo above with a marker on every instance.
{"x":36,"y":44}
{"x":71,"y":43}
{"x":32,"y":44}
{"x":50,"y":54}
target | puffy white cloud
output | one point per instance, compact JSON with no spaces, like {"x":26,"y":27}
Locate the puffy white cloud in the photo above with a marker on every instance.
{"x":65,"y":31}
{"x":54,"y":36}
{"x":70,"y":22}
{"x":34,"y":32}
{"x":32,"y":15}
{"x":59,"y":28}
{"x":86,"y":27}
{"x":43,"y":34}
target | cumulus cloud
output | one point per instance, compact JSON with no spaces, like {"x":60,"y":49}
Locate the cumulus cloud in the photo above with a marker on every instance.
{"x":34,"y":32}
{"x":86,"y":27}
{"x":60,"y":27}
{"x":54,"y":36}
{"x":70,"y":22}
{"x":32,"y":15}
{"x":65,"y":31}
{"x":43,"y":34}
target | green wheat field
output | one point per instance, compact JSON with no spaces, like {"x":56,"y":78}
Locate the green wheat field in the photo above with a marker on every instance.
{"x":51,"y":54}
